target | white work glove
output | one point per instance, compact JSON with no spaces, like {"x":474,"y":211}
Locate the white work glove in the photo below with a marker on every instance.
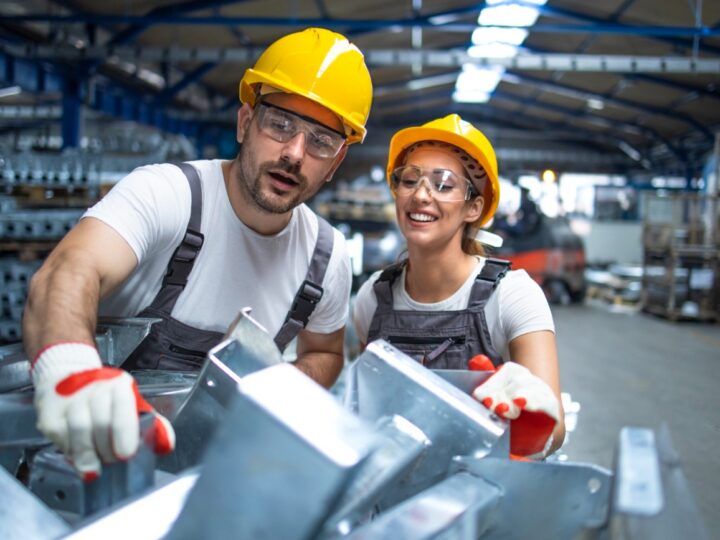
{"x":89,"y":411}
{"x":528,"y":402}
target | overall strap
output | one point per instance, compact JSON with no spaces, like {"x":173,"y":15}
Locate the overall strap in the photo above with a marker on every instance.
{"x":383,"y":293}
{"x":384,"y":283}
{"x":486,"y":281}
{"x":310,"y":291}
{"x":182,"y":260}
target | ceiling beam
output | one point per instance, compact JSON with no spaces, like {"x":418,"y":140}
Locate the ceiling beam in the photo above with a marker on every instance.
{"x":385,"y":57}
{"x":367,"y":24}
{"x":174,"y":9}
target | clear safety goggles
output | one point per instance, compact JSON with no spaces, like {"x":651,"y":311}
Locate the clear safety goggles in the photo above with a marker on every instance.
{"x":283,"y":125}
{"x":443,"y":184}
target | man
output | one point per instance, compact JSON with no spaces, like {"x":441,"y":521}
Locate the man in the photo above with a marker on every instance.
{"x":192,"y":244}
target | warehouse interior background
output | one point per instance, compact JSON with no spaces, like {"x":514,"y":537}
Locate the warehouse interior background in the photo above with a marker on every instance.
{"x":605,"y":117}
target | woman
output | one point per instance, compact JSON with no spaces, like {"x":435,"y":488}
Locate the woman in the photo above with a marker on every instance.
{"x":447,"y":303}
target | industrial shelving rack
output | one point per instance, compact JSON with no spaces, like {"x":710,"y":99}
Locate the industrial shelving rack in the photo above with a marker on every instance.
{"x":42,"y":196}
{"x":681,"y":256}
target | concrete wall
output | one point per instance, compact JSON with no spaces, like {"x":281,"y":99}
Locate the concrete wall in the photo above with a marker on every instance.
{"x":611,"y":241}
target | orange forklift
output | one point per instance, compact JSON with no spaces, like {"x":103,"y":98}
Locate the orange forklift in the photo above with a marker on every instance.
{"x":546,"y":248}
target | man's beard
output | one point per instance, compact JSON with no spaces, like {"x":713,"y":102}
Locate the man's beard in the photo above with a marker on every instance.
{"x":251,"y":186}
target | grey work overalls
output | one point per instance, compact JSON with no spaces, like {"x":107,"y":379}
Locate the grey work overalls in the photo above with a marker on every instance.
{"x":438,"y":339}
{"x":173,"y":345}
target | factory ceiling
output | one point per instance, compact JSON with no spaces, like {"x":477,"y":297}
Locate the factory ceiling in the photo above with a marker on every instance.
{"x":625,"y":86}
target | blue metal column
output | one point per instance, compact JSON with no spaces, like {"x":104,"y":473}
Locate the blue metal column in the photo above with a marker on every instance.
{"x":71,"y":104}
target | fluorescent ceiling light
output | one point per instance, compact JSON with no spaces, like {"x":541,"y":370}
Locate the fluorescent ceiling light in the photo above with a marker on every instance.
{"x":496,"y":2}
{"x":479,"y":79}
{"x":510,"y":14}
{"x":10,"y":91}
{"x":511,"y":36}
{"x":465,"y":96}
{"x":474,"y":84}
{"x":595,"y":103}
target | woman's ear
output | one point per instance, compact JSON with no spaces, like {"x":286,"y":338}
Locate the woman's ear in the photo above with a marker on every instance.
{"x":474,"y":209}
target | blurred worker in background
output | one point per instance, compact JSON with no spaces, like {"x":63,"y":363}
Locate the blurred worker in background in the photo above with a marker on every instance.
{"x":524,"y":221}
{"x":447,"y":303}
{"x":195,"y":243}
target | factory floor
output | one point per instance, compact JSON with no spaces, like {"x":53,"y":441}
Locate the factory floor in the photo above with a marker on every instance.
{"x":626,"y":368}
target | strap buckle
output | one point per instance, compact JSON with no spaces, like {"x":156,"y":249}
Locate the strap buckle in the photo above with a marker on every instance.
{"x":307,"y":297}
{"x":183,"y":259}
{"x":310,"y":292}
{"x":495,"y":276}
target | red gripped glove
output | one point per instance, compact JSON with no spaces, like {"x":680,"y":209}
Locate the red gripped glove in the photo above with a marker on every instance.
{"x":89,"y":411}
{"x":515,"y":394}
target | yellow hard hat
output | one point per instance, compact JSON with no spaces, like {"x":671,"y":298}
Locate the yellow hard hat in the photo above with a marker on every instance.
{"x":322,"y":66}
{"x":455,"y":131}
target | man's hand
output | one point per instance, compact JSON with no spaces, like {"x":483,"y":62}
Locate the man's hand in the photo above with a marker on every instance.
{"x":515,"y":394}
{"x":89,"y":411}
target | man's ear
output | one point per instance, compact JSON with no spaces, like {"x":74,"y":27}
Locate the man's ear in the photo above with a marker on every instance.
{"x":338,"y":160}
{"x":244,"y":116}
{"x":475,"y":208}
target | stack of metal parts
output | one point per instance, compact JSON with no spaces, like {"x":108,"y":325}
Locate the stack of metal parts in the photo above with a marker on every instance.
{"x":264,"y":452}
{"x":38,"y":224}
{"x":68,"y":171}
{"x":14,"y":279}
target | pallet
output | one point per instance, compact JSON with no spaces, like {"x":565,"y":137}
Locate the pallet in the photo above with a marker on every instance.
{"x":29,"y":197}
{"x":677,"y":314}
{"x":610,"y":296}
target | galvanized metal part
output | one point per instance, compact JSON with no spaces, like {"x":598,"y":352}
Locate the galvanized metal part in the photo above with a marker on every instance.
{"x":465,"y":380}
{"x":638,"y":489}
{"x":116,"y":338}
{"x":149,"y":516}
{"x":281,"y":458}
{"x":459,"y":507}
{"x":250,"y":349}
{"x":273,"y":469}
{"x":25,"y":517}
{"x":401,"y":446}
{"x":200,"y":414}
{"x":247,"y":349}
{"x":383,"y":381}
{"x":166,"y":391}
{"x":553,"y":500}
{"x":56,"y":482}
{"x":14,"y":368}
{"x":651,"y":495}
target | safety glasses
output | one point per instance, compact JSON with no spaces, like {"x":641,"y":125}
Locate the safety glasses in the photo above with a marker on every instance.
{"x":283,"y":125}
{"x":443,"y":184}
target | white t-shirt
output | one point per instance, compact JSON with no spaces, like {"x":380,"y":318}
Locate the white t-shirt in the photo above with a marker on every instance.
{"x":516,"y":307}
{"x":236,"y":267}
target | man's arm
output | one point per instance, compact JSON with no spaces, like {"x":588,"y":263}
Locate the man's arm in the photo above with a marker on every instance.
{"x":320,"y":356}
{"x":64,"y":293}
{"x":89,"y":411}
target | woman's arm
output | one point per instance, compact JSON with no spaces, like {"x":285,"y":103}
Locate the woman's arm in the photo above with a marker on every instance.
{"x":537,"y":352}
